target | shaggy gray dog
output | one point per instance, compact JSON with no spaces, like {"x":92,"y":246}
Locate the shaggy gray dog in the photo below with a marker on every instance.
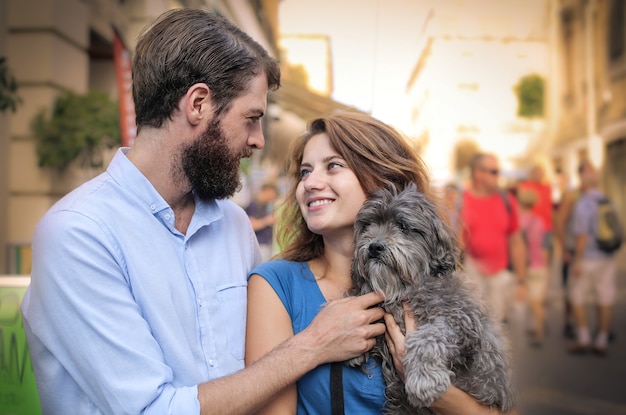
{"x":405,"y":251}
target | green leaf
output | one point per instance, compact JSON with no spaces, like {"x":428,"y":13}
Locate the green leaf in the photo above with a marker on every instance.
{"x":8,"y":88}
{"x":79,"y":127}
{"x":530,"y":95}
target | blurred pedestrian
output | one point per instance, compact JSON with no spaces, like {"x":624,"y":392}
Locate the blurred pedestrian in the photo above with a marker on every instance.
{"x":452,"y":206}
{"x":533,"y":231}
{"x":491,"y":237}
{"x":261,"y":214}
{"x":543,"y":207}
{"x":592,"y":270}
{"x":563,"y":231}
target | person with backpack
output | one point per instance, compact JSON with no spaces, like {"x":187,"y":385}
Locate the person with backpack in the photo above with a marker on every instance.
{"x":563,"y":232}
{"x":593,"y":268}
{"x":534,"y":231}
{"x":492,"y":238}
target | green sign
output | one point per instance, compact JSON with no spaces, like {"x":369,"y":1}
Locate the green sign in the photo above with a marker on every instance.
{"x":18,"y":390}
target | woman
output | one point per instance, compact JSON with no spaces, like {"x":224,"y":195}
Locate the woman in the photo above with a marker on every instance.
{"x":537,"y":276}
{"x":331,"y":169}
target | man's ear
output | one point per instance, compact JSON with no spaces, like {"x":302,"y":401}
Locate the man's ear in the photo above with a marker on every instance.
{"x":197,"y":103}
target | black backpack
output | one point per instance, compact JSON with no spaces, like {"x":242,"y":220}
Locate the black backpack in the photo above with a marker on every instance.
{"x":609,"y":234}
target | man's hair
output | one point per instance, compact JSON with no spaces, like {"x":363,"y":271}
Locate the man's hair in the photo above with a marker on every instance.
{"x":476,"y":159}
{"x":378,"y":155}
{"x":188,"y":46}
{"x":588,"y":174}
{"x":583,"y":164}
{"x":451,"y":187}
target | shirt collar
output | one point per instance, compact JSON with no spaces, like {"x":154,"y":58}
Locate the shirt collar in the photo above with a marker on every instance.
{"x":128,"y":176}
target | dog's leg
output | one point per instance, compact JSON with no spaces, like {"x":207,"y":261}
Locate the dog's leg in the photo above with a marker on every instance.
{"x":427,"y":364}
{"x":490,"y":381}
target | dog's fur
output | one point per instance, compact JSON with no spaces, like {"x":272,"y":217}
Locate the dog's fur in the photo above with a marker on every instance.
{"x":405,"y":251}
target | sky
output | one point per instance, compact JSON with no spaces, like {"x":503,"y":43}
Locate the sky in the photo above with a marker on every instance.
{"x":370,"y":42}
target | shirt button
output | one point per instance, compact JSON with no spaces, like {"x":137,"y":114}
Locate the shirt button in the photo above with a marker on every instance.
{"x":211,"y":362}
{"x":168,"y":216}
{"x":152,"y":207}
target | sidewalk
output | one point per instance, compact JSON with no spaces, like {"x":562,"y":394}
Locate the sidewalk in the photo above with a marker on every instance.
{"x":550,"y":381}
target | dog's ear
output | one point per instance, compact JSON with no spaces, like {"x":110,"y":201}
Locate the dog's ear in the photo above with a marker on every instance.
{"x":442,"y":244}
{"x":445,"y":251}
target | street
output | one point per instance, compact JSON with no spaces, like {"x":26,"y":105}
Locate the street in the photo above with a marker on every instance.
{"x":550,"y":381}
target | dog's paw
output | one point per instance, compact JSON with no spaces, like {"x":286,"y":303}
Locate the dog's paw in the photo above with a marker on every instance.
{"x":423,"y":388}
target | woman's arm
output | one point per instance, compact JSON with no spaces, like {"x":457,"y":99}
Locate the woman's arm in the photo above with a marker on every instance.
{"x":457,"y":402}
{"x":343,"y":329}
{"x":268,"y":325}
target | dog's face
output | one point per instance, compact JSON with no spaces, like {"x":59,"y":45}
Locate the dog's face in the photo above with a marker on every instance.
{"x":400,"y":240}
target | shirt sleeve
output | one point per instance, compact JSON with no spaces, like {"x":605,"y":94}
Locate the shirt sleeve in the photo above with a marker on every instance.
{"x":82,"y":310}
{"x":277,"y":273}
{"x":583,"y":215}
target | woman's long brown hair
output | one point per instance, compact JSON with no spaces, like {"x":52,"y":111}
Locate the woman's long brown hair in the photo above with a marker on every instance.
{"x":376,"y":153}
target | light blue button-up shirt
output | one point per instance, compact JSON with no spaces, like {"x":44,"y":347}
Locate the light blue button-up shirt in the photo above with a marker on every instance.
{"x":584,"y":222}
{"x":126,"y":315}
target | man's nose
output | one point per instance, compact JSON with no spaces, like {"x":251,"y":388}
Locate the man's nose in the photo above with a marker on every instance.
{"x":256,"y":138}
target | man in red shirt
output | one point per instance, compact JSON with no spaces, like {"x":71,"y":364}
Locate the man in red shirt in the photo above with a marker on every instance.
{"x":491,"y":236}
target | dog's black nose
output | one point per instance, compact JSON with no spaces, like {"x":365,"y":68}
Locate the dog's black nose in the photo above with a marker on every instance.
{"x":375,"y":249}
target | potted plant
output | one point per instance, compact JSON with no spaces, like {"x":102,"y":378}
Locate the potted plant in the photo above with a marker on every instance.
{"x":78,"y":129}
{"x":8,"y":88}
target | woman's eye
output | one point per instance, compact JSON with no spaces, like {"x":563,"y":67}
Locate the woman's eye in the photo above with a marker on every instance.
{"x":334,"y":165}
{"x":304,"y":173}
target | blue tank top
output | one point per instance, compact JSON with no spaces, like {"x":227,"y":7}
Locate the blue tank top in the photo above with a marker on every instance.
{"x":297,"y":288}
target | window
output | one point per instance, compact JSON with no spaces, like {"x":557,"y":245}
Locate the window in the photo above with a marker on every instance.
{"x":617,"y":38}
{"x":568,"y":42}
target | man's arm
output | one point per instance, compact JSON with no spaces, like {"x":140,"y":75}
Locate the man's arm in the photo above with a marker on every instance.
{"x":581,"y":224}
{"x":258,"y":222}
{"x":517,"y":249}
{"x":581,"y":244}
{"x":261,"y":223}
{"x":343,"y":329}
{"x":518,"y":257}
{"x":565,"y":209}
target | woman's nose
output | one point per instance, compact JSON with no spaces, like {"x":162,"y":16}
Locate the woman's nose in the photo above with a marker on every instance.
{"x":314,"y":180}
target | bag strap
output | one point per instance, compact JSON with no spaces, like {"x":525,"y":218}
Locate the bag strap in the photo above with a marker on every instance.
{"x":336,"y":388}
{"x":505,"y":198}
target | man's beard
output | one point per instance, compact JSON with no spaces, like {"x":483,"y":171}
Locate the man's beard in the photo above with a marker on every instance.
{"x":211,"y":167}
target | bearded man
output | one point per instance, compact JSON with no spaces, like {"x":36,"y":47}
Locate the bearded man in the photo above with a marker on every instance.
{"x":137,"y":301}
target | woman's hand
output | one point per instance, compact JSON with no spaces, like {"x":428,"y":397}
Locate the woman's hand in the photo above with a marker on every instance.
{"x":454,"y":401}
{"x":395,"y":338}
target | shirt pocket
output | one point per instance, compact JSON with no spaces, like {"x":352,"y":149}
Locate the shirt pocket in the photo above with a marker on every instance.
{"x":233,"y":302}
